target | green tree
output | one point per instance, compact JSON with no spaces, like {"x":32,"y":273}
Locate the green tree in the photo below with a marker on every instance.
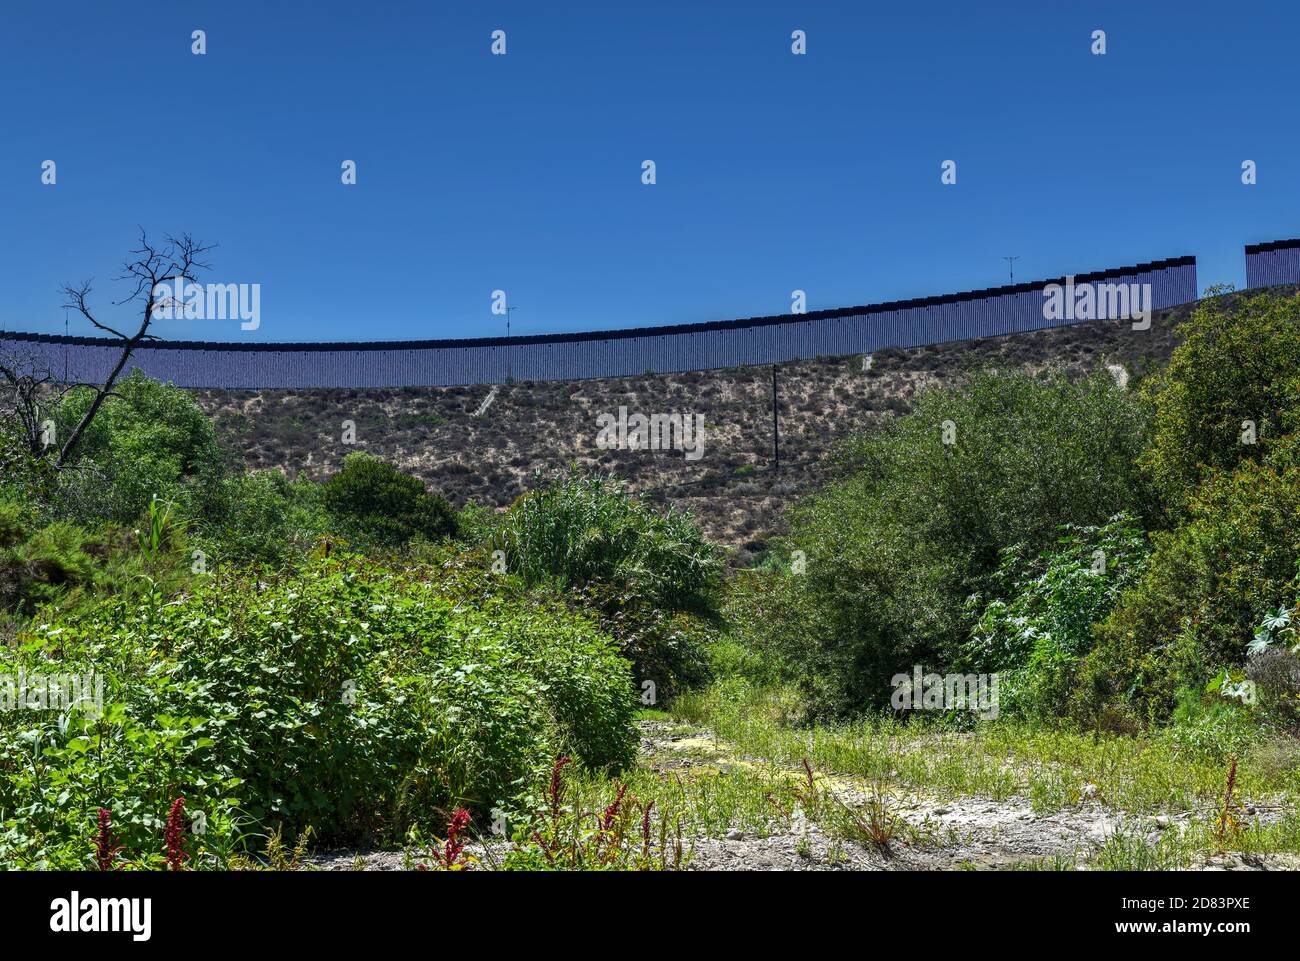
{"x":1209,"y":582}
{"x":147,"y":438}
{"x":1238,"y":365}
{"x":917,"y":524}
{"x":376,"y":503}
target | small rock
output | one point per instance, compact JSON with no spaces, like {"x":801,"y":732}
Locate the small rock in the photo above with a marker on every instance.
{"x":940,"y":812}
{"x":735,"y":834}
{"x":1162,"y":822}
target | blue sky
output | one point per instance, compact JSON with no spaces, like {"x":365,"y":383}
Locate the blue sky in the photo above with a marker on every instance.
{"x":523,"y":172}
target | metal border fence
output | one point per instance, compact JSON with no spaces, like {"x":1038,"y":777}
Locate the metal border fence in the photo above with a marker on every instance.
{"x":613,"y":353}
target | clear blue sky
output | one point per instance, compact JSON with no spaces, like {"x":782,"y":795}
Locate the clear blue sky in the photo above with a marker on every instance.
{"x":523,"y":172}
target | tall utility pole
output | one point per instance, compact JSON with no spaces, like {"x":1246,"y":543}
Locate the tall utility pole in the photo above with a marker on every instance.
{"x":1011,"y":264}
{"x":776,"y":430}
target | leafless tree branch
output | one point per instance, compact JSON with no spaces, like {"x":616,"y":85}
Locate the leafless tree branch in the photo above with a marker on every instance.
{"x":145,"y":269}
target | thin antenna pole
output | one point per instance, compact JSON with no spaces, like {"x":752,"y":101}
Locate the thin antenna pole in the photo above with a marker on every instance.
{"x":1011,"y":264}
{"x":65,"y":346}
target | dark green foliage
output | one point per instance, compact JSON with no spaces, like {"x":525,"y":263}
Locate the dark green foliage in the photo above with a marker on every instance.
{"x":1273,"y":666}
{"x":67,"y":566}
{"x":1231,"y":556}
{"x":476,"y":524}
{"x":1240,"y":361}
{"x":651,"y":577}
{"x":1209,"y":582}
{"x":262,"y":517}
{"x":894,"y":549}
{"x":1034,"y":639}
{"x":375,"y":503}
{"x":38,"y":563}
{"x":666,"y":647}
{"x":23,"y":479}
{"x":13,"y":525}
{"x":147,"y":439}
{"x":585,"y":528}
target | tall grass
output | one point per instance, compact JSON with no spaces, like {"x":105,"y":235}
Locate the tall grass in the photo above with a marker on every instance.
{"x":1054,"y":769}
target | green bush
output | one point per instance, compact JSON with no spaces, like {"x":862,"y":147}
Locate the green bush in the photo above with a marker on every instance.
{"x":1209,"y":726}
{"x":358,"y":700}
{"x":1235,"y":508}
{"x":1208,"y":584}
{"x":22,"y":478}
{"x":916,"y":525}
{"x":68,"y":566}
{"x":147,"y":439}
{"x":585,"y":528}
{"x":14,"y":525}
{"x":476,"y":524}
{"x":1239,"y":361}
{"x":1035,"y":638}
{"x":1273,"y":665}
{"x":261,"y":517}
{"x":375,"y":503}
{"x":53,"y":559}
{"x":651,"y":577}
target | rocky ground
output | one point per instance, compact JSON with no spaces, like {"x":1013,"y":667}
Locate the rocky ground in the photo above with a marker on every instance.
{"x":930,"y":833}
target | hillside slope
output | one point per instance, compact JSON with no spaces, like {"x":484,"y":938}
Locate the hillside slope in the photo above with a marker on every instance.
{"x":733,"y":488}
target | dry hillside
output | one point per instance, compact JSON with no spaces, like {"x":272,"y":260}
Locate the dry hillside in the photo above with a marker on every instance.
{"x":733,"y":489}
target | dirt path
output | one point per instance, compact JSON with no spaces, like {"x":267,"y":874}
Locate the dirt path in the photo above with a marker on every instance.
{"x":931,"y":833}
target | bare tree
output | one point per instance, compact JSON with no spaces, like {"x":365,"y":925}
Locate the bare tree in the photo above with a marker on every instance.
{"x":146,"y":268}
{"x":27,"y":389}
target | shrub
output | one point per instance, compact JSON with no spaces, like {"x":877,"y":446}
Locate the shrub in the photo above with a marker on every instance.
{"x":585,"y":528}
{"x":147,"y":439}
{"x":1273,"y":665}
{"x":375,"y":503}
{"x":915,"y":526}
{"x":1209,"y":582}
{"x":66,"y":566}
{"x":261,"y":516}
{"x":1276,"y":675}
{"x":1236,"y":508}
{"x":348,"y":697}
{"x":651,"y":578}
{"x":52,"y":559}
{"x":476,"y":524}
{"x":13,"y":524}
{"x":1210,"y":726}
{"x":23,"y":479}
{"x":1239,"y":361}
{"x":1035,"y":639}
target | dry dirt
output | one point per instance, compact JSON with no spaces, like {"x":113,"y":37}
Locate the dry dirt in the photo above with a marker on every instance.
{"x":933,"y":833}
{"x":537,"y":429}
